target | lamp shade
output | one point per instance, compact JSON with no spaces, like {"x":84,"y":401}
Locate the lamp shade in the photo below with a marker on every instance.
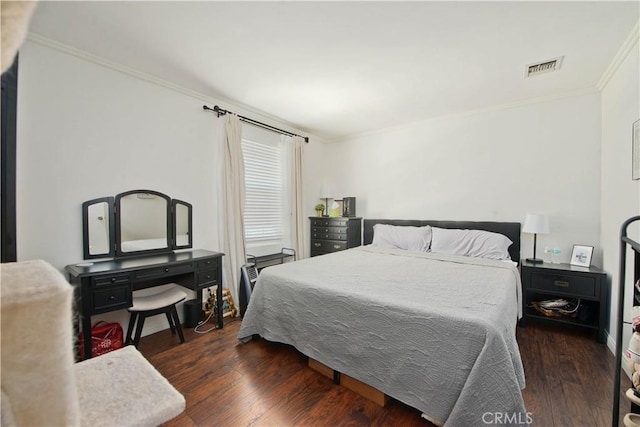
{"x":325,"y":192}
{"x":536,"y":224}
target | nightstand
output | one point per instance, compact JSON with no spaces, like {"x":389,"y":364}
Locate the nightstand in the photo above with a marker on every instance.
{"x":553,"y":281}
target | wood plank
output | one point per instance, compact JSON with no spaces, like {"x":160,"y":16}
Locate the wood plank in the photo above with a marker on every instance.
{"x":342,"y":407}
{"x":351,"y":383}
{"x":322,"y":369}
{"x":364,"y":390}
{"x":304,"y":391}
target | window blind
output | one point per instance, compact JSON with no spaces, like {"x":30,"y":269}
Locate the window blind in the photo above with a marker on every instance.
{"x":264,"y":188}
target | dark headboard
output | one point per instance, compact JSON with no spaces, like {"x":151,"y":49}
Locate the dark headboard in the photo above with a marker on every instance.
{"x":509,"y":229}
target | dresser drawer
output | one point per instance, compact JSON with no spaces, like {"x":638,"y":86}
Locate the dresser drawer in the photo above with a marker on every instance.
{"x":317,"y":253}
{"x":564,"y":283}
{"x":329,"y":229}
{"x":206,"y":278}
{"x":113,"y":298}
{"x":152,"y":273}
{"x":328,"y":245}
{"x":329,"y":222}
{"x":325,"y":235}
{"x":207,"y":263}
{"x":110,"y":280}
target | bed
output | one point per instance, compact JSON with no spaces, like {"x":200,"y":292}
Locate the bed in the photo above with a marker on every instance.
{"x":435,"y":331}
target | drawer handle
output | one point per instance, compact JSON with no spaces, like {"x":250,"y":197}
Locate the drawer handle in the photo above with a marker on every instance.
{"x":317,"y":245}
{"x":326,"y":236}
{"x":208,"y":276}
{"x":113,"y":280}
{"x":208,"y":262}
{"x":112,"y":297}
{"x":336,"y":246}
{"x":166,"y":270}
{"x":561,"y":283}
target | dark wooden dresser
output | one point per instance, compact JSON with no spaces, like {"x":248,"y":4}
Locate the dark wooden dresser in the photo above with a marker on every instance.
{"x":334,"y":234}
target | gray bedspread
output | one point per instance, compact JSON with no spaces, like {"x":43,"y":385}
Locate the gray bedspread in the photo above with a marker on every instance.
{"x":436,"y":332}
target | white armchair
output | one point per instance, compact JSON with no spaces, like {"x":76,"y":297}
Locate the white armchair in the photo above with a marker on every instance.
{"x":41,"y":383}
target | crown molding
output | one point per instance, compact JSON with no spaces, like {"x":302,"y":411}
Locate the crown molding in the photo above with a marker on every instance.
{"x":494,"y":108}
{"x":627,"y":46}
{"x":47,"y":42}
{"x":630,"y":42}
{"x":231,"y":105}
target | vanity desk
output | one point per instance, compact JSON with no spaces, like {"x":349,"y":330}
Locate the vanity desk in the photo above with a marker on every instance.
{"x":105,"y":286}
{"x":139,"y":232}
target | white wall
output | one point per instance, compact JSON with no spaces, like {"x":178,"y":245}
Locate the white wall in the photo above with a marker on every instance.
{"x":620,"y":194}
{"x":87,"y":131}
{"x":497,"y":165}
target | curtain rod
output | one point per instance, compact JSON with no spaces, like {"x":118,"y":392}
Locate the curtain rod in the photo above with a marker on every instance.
{"x":221,"y":112}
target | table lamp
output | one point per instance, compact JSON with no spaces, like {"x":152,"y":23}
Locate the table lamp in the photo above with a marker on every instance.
{"x":536,"y":224}
{"x":325,"y":194}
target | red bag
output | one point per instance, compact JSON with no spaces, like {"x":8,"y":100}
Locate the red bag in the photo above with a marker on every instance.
{"x":105,"y":337}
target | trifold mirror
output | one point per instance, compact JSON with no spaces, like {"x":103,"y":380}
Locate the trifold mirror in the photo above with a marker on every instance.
{"x":135,"y":222}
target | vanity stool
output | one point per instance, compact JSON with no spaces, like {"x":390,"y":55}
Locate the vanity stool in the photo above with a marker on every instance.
{"x":151,"y":305}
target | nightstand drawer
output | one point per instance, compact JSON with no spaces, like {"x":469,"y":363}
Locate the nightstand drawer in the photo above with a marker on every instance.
{"x":328,"y":245}
{"x":575,"y":285}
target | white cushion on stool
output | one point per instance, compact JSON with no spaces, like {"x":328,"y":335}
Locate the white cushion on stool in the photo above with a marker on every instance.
{"x":159,"y":300}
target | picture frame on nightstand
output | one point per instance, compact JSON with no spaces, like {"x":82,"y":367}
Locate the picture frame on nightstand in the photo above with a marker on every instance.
{"x":581,"y":255}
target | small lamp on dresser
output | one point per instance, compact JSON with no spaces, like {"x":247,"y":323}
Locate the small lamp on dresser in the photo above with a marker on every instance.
{"x":325,"y":194}
{"x":535,"y":224}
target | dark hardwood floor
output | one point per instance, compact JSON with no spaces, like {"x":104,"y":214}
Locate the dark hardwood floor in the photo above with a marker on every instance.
{"x":569,"y":382}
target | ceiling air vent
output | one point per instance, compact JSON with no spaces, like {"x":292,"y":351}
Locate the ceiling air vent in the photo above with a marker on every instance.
{"x":543,"y":67}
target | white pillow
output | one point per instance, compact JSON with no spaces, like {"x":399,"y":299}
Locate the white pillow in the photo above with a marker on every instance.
{"x":472,"y":243}
{"x":402,"y":237}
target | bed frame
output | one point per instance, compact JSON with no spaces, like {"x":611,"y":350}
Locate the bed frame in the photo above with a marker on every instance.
{"x":509,"y":229}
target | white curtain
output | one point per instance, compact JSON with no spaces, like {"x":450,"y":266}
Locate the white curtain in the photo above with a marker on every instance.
{"x":298,"y":219}
{"x":233,"y":242}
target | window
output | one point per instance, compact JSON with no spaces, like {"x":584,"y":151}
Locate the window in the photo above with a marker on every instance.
{"x":267,"y":208}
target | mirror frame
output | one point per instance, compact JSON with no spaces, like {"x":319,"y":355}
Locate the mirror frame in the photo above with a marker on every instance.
{"x":174,"y":210}
{"x":118,"y":211}
{"x":85,"y":228}
{"x":115,"y":243}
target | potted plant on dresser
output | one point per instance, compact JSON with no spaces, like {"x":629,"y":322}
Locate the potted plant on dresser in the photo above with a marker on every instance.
{"x":319,"y":209}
